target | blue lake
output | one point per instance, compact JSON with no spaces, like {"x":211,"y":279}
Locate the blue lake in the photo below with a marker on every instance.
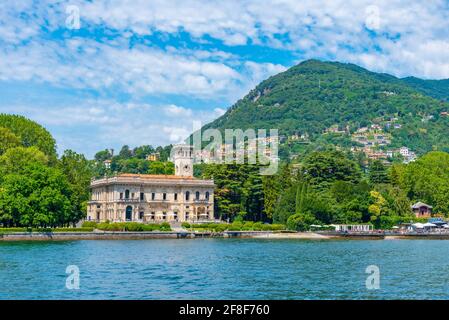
{"x":225,"y":269}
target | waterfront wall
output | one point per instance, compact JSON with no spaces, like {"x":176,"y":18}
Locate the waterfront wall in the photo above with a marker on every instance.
{"x":64,"y":236}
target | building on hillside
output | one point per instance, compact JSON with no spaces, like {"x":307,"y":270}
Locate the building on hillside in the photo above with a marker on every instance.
{"x":107,"y":164}
{"x":154,"y":156}
{"x":422,"y":210}
{"x":404,"y":151}
{"x":154,"y":198}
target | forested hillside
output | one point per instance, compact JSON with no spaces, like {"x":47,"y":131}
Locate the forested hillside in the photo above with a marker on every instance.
{"x":314,"y":96}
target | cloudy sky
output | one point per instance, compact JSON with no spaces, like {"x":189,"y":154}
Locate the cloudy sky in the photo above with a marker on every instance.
{"x":140,"y":72}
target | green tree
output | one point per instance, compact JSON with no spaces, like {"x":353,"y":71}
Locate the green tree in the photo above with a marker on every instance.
{"x":15,"y":159}
{"x":103,"y":155}
{"x":78,"y":172}
{"x":125,"y":153}
{"x":321,"y":168}
{"x":427,"y":180}
{"x":40,"y":197}
{"x":378,"y":173}
{"x":8,"y":140}
{"x":30,"y":134}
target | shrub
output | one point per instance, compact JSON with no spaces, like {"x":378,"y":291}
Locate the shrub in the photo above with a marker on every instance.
{"x":185,"y":225}
{"x":89,"y":224}
{"x":165,"y":226}
{"x":83,"y":229}
{"x":300,"y":221}
{"x":7,"y":230}
{"x":257,"y":226}
{"x":133,"y":226}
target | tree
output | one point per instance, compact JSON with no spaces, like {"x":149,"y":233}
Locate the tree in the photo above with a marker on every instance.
{"x":378,"y":173}
{"x":40,"y":197}
{"x":300,"y":221}
{"x":103,"y":155}
{"x":125,"y":153}
{"x":15,"y":159}
{"x":30,"y":134}
{"x":8,"y":140}
{"x":143,"y":151}
{"x":427,"y":180}
{"x":78,"y":172}
{"x":321,"y":168}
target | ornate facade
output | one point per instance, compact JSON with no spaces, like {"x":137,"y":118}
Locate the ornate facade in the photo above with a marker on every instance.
{"x":154,"y":198}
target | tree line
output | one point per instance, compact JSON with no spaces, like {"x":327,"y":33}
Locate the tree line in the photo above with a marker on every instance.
{"x":330,"y":186}
{"x":38,"y":189}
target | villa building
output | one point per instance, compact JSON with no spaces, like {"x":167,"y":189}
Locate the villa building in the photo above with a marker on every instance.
{"x":154,"y":198}
{"x":422,"y":210}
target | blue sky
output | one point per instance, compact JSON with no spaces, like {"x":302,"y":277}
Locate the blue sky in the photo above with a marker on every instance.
{"x":140,"y":72}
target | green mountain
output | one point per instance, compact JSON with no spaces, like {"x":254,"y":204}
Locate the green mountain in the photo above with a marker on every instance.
{"x":314,"y":95}
{"x":438,"y":89}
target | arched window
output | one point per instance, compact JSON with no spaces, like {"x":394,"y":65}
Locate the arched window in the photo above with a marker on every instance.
{"x":197,"y":195}
{"x":187,"y":196}
{"x":207,"y":195}
{"x":126,"y":194}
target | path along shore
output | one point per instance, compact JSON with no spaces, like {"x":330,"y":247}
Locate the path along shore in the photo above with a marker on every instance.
{"x":126,"y":235}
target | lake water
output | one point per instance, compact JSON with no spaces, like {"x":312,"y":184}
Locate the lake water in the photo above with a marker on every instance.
{"x":225,"y":269}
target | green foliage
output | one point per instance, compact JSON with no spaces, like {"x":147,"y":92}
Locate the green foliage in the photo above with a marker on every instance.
{"x":239,"y":191}
{"x":378,"y":173}
{"x":39,"y":197}
{"x":103,"y":155}
{"x":37,"y":189}
{"x":315,"y":95}
{"x":237,"y":226}
{"x":321,"y":168}
{"x":133,"y":161}
{"x":89,"y":224}
{"x":426,"y":180}
{"x":29,"y":133}
{"x":185,"y":225}
{"x":78,"y":172}
{"x":14,"y":160}
{"x":12,"y":230}
{"x":8,"y":140}
{"x":300,"y":221}
{"x":83,"y":229}
{"x":132,"y":226}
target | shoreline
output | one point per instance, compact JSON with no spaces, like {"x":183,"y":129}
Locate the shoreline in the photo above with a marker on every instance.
{"x":126,"y":235}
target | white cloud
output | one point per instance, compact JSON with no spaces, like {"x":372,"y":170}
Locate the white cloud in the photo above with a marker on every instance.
{"x":176,"y":111}
{"x":112,"y":58}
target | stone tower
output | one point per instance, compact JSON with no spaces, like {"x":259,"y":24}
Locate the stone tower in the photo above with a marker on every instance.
{"x":182,"y":156}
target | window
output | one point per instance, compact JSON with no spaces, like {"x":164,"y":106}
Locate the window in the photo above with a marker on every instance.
{"x":164,"y":196}
{"x":153,"y":196}
{"x":121,"y":195}
{"x":141,"y":215}
{"x":187,"y":196}
{"x":132,"y":195}
{"x":126,"y":194}
{"x":142,"y":195}
{"x":197,"y":195}
{"x":164,"y":215}
{"x":176,"y":197}
{"x":207,"y":195}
